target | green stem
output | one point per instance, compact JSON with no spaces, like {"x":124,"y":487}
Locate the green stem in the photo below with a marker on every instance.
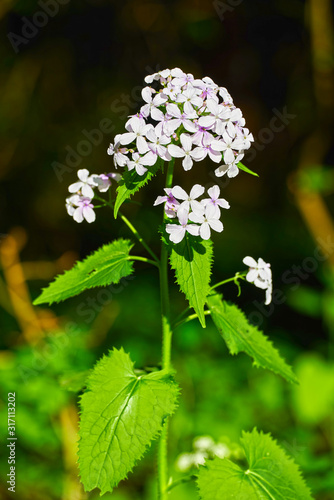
{"x":180,"y":318}
{"x":139,"y":238}
{"x":133,"y":229}
{"x":190,"y":318}
{"x":181,"y":481}
{"x":166,"y":352}
{"x":235,"y":278}
{"x":144,"y":259}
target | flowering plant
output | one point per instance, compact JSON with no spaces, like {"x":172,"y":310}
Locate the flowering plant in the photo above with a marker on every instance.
{"x":122,"y":409}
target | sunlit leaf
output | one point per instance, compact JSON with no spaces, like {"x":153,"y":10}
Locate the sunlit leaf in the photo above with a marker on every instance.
{"x":270,"y":474}
{"x":121,"y":413}
{"x":241,"y":336}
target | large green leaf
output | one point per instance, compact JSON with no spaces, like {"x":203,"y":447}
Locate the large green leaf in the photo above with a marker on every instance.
{"x":270,"y":475}
{"x":191,"y":260}
{"x":131,"y":182}
{"x":105,"y":266}
{"x":121,"y":413}
{"x":241,"y":336}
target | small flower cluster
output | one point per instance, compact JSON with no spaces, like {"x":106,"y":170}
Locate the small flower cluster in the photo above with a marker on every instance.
{"x":193,"y":216}
{"x":260,"y":274}
{"x":187,"y":118}
{"x":205,"y":448}
{"x":79,"y":205}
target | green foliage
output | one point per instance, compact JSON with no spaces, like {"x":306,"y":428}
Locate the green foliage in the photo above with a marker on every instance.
{"x":191,"y":261}
{"x":74,"y":382}
{"x":131,"y":182}
{"x":316,"y":377}
{"x":246,"y":169}
{"x":271,"y":474}
{"x":121,"y":413}
{"x":105,"y":266}
{"x":241,"y":336}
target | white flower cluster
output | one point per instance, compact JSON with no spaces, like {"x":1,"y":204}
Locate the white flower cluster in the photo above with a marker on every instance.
{"x":260,"y":274}
{"x":193,"y":216}
{"x":80,"y":205}
{"x":187,"y":118}
{"x":204,"y":448}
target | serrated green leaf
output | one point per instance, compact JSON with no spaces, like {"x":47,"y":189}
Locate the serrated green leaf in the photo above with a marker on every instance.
{"x":121,"y":413}
{"x":241,"y":336}
{"x":191,"y":260}
{"x":271,"y":474}
{"x":246,"y":169}
{"x":131,"y":182}
{"x":105,"y":266}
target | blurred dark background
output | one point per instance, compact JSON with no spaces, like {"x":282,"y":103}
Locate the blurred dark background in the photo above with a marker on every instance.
{"x":85,"y":64}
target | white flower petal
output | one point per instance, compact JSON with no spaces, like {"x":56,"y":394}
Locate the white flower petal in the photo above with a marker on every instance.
{"x":186,"y":142}
{"x":198,"y":154}
{"x":232,"y":171}
{"x":206,"y":121}
{"x":179,"y":193}
{"x":176,"y":232}
{"x":89,"y":214}
{"x":216,"y":225}
{"x":74,"y":188}
{"x":196,"y":191}
{"x":142,"y":145}
{"x":87,"y":191}
{"x":249,"y":261}
{"x":187,"y":162}
{"x":251,"y":275}
{"x":193,"y":229}
{"x":127,"y":138}
{"x":214,"y":192}
{"x":77,"y":215}
{"x":205,"y":231}
{"x":83,"y":174}
{"x":175,"y":151}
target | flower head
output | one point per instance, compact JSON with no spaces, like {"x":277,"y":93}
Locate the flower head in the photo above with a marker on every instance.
{"x":178,"y":231}
{"x":188,"y":209}
{"x":208,"y":218}
{"x":79,"y":205}
{"x":186,"y":118}
{"x":84,"y":185}
{"x":80,"y":208}
{"x":260,"y":274}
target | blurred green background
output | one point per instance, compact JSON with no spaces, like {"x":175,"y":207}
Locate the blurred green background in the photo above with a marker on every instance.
{"x":87,"y":65}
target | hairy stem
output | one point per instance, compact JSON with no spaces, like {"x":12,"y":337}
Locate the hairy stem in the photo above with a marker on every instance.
{"x":166,"y":352}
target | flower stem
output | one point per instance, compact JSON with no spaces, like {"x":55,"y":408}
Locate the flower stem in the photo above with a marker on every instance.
{"x":235,"y":278}
{"x":166,"y":352}
{"x":139,"y":238}
{"x":133,"y":229}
